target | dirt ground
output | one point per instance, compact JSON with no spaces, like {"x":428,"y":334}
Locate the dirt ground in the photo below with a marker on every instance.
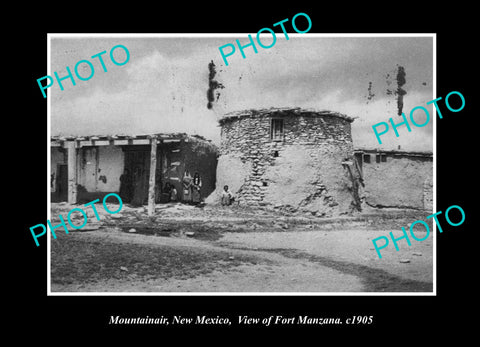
{"x":232,"y":250}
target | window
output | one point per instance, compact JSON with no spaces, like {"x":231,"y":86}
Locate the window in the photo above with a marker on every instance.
{"x":366,"y":158}
{"x":276,"y":129}
{"x":381,"y":158}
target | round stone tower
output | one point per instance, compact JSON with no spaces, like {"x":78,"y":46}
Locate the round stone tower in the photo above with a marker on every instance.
{"x":289,"y":159}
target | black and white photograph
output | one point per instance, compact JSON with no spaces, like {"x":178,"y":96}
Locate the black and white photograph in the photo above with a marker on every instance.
{"x":258,"y":172}
{"x":294,"y":171}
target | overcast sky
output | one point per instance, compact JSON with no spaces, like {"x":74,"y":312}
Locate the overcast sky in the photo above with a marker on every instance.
{"x":163,"y":87}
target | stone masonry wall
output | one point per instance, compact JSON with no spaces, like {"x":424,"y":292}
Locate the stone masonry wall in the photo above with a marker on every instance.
{"x":304,"y":172}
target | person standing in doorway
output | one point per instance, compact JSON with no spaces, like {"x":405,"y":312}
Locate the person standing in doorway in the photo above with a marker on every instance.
{"x":196,"y":185}
{"x":138,"y":194}
{"x":186,"y":185}
{"x":126,"y":186}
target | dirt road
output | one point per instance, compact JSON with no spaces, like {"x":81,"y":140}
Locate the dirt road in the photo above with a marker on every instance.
{"x":225,"y":252}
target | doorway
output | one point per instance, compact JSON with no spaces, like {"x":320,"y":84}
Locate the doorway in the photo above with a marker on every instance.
{"x":136,"y":175}
{"x":61,"y":188}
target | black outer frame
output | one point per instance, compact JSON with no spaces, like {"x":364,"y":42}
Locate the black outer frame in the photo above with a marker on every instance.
{"x":394,"y":315}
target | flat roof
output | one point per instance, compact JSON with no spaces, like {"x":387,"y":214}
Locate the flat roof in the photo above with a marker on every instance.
{"x":394,"y":152}
{"x":285,"y":111}
{"x":119,"y":140}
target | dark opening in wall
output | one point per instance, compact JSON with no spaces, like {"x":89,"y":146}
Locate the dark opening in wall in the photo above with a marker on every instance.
{"x":276,"y":129}
{"x":275,"y":154}
{"x":381,"y":158}
{"x":359,"y":161}
{"x":265,"y":183}
{"x":366,"y":158}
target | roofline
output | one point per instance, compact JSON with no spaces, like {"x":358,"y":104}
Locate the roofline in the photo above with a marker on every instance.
{"x":125,"y":140}
{"x":123,"y":137}
{"x":394,"y":152}
{"x":277,"y":111}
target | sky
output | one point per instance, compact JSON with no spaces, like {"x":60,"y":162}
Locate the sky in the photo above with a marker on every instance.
{"x":163,"y":86}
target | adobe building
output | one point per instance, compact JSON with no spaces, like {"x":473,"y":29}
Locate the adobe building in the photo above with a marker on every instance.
{"x":304,"y":160}
{"x":396,"y":178}
{"x":90,"y":167}
{"x":290,"y":159}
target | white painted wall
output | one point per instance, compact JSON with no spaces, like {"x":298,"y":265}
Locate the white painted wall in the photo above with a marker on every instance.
{"x":110,"y":166}
{"x":101,"y":162}
{"x":88,"y":168}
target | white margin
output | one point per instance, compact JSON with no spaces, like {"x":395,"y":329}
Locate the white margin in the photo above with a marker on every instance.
{"x":200,"y":294}
{"x":49,"y":162}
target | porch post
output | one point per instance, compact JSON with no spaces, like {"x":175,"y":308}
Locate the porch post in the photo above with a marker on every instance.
{"x":151,"y":182}
{"x":72,"y":172}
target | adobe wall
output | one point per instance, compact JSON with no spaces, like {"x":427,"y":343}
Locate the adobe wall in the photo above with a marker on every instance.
{"x":98,"y":171}
{"x":194,"y":156}
{"x":401,"y":182}
{"x":100,"y":168}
